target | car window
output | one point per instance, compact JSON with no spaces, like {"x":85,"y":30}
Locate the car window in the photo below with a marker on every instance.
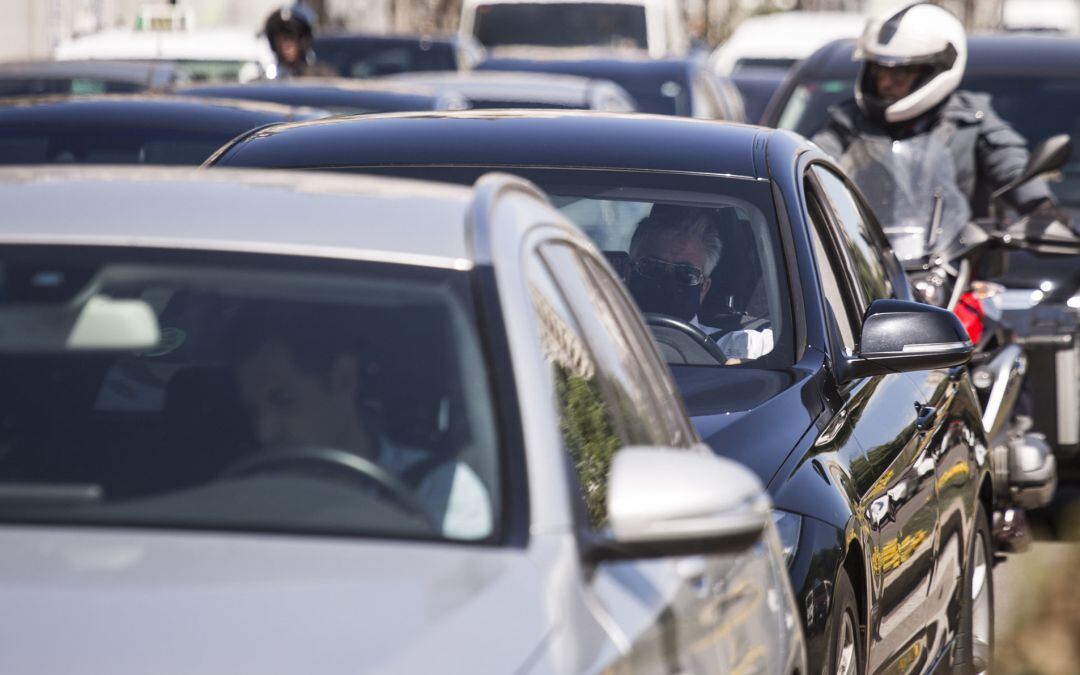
{"x":87,"y":145}
{"x":561,"y":24}
{"x":640,"y":357}
{"x":615,"y":355}
{"x":830,"y":268}
{"x":861,"y":247}
{"x":244,"y":392}
{"x":597,"y":411}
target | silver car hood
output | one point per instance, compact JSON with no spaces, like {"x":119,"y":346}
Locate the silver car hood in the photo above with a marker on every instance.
{"x":127,"y":602}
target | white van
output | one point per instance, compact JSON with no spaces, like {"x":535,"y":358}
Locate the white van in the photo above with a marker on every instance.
{"x":655,"y":26}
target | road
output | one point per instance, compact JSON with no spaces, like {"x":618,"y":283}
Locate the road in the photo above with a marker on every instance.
{"x":1038,"y":611}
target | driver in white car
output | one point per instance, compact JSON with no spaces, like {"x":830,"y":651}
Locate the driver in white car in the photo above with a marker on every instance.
{"x":673,"y":253}
{"x":300,"y":379}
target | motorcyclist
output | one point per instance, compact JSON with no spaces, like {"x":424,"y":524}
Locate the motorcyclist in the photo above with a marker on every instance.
{"x":290,"y":31}
{"x":913,"y":61}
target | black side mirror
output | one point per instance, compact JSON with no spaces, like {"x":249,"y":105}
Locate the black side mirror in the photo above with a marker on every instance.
{"x":899,"y":336}
{"x":1050,"y":155}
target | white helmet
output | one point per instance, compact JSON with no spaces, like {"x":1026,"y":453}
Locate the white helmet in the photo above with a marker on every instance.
{"x":918,"y":35}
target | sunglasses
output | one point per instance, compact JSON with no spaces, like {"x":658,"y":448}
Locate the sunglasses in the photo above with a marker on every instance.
{"x":655,"y":268}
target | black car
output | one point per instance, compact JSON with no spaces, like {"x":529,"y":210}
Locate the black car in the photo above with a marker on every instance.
{"x":757,"y":87}
{"x":359,"y":55}
{"x":671,"y":86}
{"x":40,"y":78}
{"x":1034,"y":82}
{"x":337,"y":95}
{"x":801,"y":360}
{"x":128,"y":129}
{"x":523,"y":90}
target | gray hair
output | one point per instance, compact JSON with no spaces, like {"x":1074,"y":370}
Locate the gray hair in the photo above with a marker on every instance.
{"x":700,"y":223}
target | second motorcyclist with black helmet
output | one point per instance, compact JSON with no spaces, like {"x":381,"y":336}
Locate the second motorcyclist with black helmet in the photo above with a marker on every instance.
{"x":913,"y":61}
{"x":290,"y":31}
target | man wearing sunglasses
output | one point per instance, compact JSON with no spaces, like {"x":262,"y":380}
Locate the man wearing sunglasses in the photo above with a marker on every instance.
{"x":673,"y":252}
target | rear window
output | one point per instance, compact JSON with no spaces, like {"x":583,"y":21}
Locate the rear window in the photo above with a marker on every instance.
{"x":243,"y":393}
{"x":102,"y":145}
{"x":561,"y":25}
{"x":360,"y":58}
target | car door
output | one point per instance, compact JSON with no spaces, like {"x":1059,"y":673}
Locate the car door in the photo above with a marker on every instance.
{"x":950,"y":415}
{"x":614,"y":393}
{"x":895,"y":476}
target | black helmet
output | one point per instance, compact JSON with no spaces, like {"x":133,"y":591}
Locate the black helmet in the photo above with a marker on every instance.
{"x":297,"y":21}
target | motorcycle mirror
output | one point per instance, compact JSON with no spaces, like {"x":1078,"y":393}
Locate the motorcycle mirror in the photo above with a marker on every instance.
{"x":1050,"y":155}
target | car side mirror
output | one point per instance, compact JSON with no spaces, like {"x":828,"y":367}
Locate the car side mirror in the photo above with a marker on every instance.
{"x":1050,"y":155}
{"x":664,"y":502}
{"x":899,"y":336}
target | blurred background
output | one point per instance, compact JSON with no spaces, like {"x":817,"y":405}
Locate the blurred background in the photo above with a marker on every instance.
{"x":35,"y":28}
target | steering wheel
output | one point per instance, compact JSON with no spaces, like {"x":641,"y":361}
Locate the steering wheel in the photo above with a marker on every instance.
{"x":354,"y":466}
{"x":696,"y":335}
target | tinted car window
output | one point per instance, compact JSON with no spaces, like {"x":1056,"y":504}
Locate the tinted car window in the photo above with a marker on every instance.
{"x":591,"y":418}
{"x":561,"y":24}
{"x":614,"y":356}
{"x":668,"y":413}
{"x":107,"y":146}
{"x":39,"y":86}
{"x":860,"y":245}
{"x":356,"y":57}
{"x":243,"y":393}
{"x":838,"y":302}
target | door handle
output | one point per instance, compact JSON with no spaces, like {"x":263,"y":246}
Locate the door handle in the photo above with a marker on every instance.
{"x":925,"y":417}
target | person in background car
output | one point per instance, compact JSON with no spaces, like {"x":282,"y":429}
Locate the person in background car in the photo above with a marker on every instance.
{"x":290,"y":31}
{"x":913,"y":61}
{"x":673,"y":253}
{"x":299,"y":377}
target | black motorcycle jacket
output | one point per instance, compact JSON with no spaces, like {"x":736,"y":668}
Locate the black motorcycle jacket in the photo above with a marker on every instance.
{"x":988,"y":153}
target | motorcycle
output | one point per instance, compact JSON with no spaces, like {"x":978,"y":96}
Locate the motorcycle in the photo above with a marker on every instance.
{"x":948,"y":256}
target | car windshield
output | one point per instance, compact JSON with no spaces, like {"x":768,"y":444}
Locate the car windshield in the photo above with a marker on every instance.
{"x":708,"y":257}
{"x":242,"y":392}
{"x":360,"y":58}
{"x":561,"y":24}
{"x":1037,"y":107}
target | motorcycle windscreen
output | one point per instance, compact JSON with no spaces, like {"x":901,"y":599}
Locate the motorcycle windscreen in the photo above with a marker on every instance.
{"x":911,"y":186}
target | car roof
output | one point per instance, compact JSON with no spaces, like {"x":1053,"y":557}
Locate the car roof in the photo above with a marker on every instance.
{"x":324,"y":91}
{"x":294,"y":213}
{"x":1037,"y":55}
{"x":575,"y":139}
{"x":589,"y":63}
{"x":148,"y":73}
{"x":147,"y":111}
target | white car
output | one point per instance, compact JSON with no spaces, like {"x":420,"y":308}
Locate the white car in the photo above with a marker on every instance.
{"x":655,"y":26}
{"x":288,"y":422}
{"x":778,"y":41}
{"x":206,"y":53}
